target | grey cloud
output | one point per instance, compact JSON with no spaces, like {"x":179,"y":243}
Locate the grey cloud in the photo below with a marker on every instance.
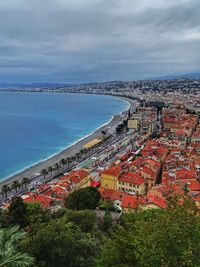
{"x":79,"y":41}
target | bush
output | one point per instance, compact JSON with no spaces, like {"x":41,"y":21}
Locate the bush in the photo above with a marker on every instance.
{"x":85,"y":198}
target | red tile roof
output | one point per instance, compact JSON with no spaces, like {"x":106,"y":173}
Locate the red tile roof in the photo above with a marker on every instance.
{"x":197,"y":161}
{"x":56,"y":192}
{"x":137,"y":162}
{"x":181,"y":132}
{"x":196,"y":134}
{"x":94,"y":183}
{"x":186,"y":174}
{"x":152,"y":163}
{"x":132,"y":178}
{"x":162,"y":151}
{"x":110,"y":194}
{"x":44,"y":201}
{"x":43,"y":187}
{"x":148,"y":171}
{"x":157,"y":200}
{"x":169,"y":119}
{"x":113,"y":170}
{"x":130,"y":202}
{"x":75,"y":177}
{"x":194,"y":185}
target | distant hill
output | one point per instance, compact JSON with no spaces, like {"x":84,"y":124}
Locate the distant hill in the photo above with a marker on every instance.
{"x":41,"y":85}
{"x":31,"y":85}
{"x":195,"y":75}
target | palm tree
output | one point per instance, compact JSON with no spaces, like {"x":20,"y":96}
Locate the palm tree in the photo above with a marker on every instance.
{"x":103,"y":132}
{"x":50,"y":169}
{"x":77,"y":156}
{"x":70,"y":160}
{"x":9,"y":256}
{"x":5,"y":188}
{"x":73,"y":158}
{"x":15,"y":185}
{"x":44,"y":172}
{"x":84,"y":151}
{"x":67,"y":161}
{"x":25,"y":181}
{"x":63,"y":162}
{"x":132,"y":143}
{"x":57,"y":167}
{"x":81,"y":151}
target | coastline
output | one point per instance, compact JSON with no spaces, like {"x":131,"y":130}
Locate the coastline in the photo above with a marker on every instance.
{"x":69,"y":151}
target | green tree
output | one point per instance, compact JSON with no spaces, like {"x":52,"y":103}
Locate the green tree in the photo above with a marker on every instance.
{"x":60,"y":244}
{"x":25,"y":181}
{"x":10,"y":256}
{"x":4,"y":218}
{"x":67,"y":161}
{"x":85,"y":219}
{"x":107,"y":221}
{"x":17,"y":212}
{"x":85,"y":198}
{"x":106,"y":205}
{"x":77,"y":156}
{"x":104,"y":133}
{"x":82,"y":151}
{"x":119,"y":128}
{"x":44,"y":172}
{"x":5,"y":189}
{"x":63,"y":162}
{"x":50,"y":169}
{"x":57,"y":167}
{"x":15,"y":185}
{"x":162,"y":238}
{"x":73,"y":158}
{"x":59,"y":213}
{"x":36,"y":214}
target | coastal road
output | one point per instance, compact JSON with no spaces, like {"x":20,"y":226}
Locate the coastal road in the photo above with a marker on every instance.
{"x":40,"y":179}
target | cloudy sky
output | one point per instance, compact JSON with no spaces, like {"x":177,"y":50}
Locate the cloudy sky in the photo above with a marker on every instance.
{"x":97,"y":40}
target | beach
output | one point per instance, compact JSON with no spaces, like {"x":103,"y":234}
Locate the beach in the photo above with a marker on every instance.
{"x":35,"y":170}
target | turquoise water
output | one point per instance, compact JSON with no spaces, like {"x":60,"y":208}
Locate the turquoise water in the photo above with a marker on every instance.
{"x":35,"y":126}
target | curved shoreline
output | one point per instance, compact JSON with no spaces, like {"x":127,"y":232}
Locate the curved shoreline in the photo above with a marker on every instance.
{"x":68,"y":151}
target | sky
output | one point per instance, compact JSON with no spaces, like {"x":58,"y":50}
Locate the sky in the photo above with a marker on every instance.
{"x":75,"y":41}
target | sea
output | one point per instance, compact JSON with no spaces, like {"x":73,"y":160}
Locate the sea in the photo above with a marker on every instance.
{"x":35,"y":126}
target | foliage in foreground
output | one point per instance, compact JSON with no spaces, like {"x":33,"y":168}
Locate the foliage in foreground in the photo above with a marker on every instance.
{"x":9,"y":252}
{"x":62,"y":244}
{"x":84,"y":198}
{"x":162,"y":238}
{"x":153,"y":238}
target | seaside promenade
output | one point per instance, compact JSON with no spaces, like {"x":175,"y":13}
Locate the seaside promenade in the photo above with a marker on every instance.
{"x":34,"y":173}
{"x":40,"y":179}
{"x":154,"y":155}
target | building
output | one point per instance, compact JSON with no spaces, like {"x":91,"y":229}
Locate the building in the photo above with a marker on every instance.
{"x":131,"y":182}
{"x":134,"y":124}
{"x":110,"y":176}
{"x":77,"y":179}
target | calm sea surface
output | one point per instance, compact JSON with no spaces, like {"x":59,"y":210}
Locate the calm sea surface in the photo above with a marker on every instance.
{"x":34,"y":126}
